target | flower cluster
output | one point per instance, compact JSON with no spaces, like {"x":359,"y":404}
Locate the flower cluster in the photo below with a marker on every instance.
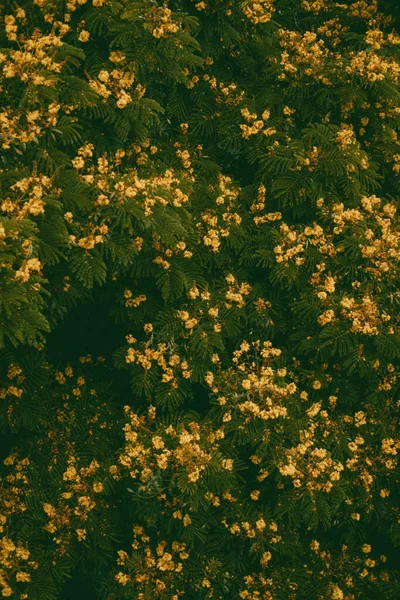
{"x":372,"y":67}
{"x":16,"y":565}
{"x":163,"y":356}
{"x":33,"y":65}
{"x":258,"y":11}
{"x":227,"y":94}
{"x":216,"y":222}
{"x":74,"y":505}
{"x":365,"y":316}
{"x":259,"y":206}
{"x":252,"y":389}
{"x":309,"y":465}
{"x":157,"y":568}
{"x":236,"y":293}
{"x":117,"y":82}
{"x":162,"y":22}
{"x":293,"y":244}
{"x":256,"y":124}
{"x":151,"y":451}
{"x":27,"y":197}
{"x":16,"y":568}
{"x":305,"y":53}
{"x":113,"y":190}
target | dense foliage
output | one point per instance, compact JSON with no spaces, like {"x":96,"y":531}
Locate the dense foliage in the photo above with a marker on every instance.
{"x":199,"y":300}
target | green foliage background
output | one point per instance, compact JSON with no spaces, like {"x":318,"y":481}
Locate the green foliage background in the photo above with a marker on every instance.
{"x":243,"y":157}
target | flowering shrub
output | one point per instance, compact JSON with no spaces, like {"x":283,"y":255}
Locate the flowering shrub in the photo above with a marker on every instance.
{"x":199,"y":300}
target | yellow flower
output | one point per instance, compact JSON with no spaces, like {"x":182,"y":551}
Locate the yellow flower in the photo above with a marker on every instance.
{"x":227,"y":464}
{"x":265,"y":558}
{"x":84,"y":36}
{"x":122,"y":578}
{"x":336,"y":593}
{"x":21,"y":576}
{"x":81,"y":533}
